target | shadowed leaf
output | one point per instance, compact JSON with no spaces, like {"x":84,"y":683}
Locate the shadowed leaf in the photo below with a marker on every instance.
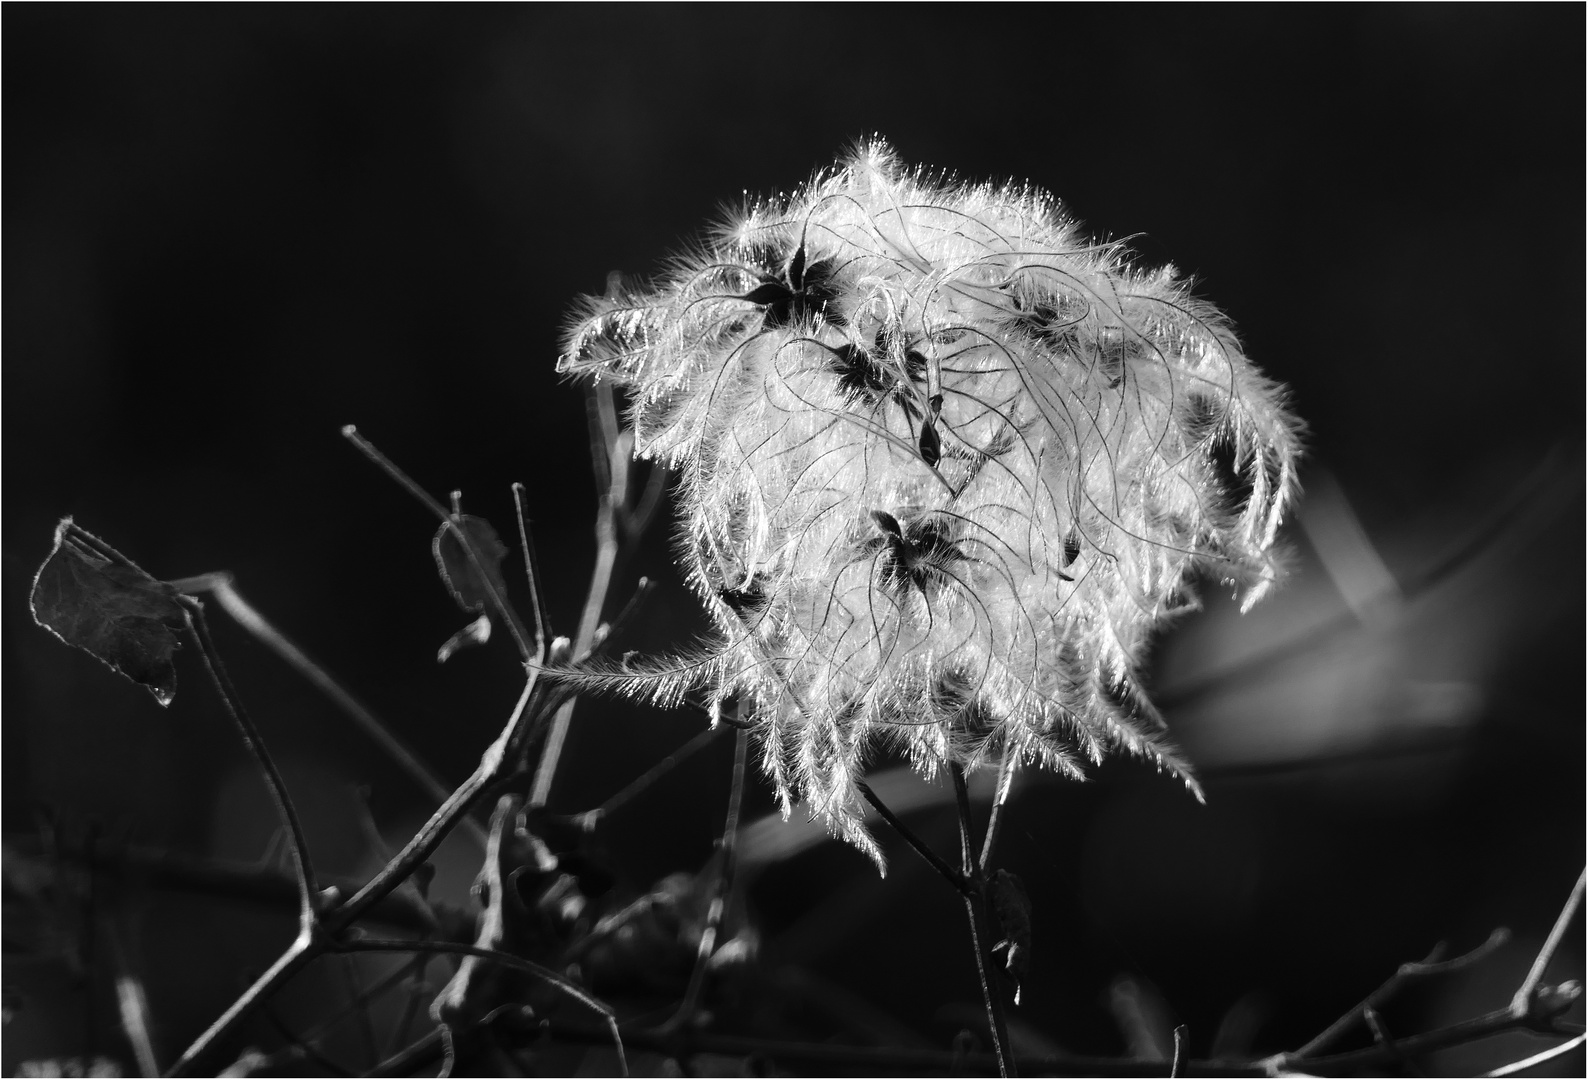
{"x":931,"y":445}
{"x":91,"y":596}
{"x":459,"y":573}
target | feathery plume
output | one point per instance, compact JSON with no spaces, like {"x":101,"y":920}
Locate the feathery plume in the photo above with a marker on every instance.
{"x":944,"y":465}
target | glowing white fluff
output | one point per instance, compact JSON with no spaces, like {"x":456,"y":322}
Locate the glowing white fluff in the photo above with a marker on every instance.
{"x":944,"y":465}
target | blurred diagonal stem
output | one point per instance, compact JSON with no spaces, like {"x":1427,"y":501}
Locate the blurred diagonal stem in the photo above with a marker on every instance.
{"x":496,"y":957}
{"x":919,"y":846}
{"x":316,"y":936}
{"x":622,"y":516}
{"x":220,"y":586}
{"x":1526,"y":1000}
{"x":728,"y":848}
{"x":1539,"y":497}
{"x":303,"y":865}
{"x":319,"y":931}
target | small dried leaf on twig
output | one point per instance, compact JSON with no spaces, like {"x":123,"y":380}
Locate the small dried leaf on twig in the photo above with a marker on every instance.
{"x":1012,"y":908}
{"x":459,"y":573}
{"x":477,"y":632}
{"x":91,"y":596}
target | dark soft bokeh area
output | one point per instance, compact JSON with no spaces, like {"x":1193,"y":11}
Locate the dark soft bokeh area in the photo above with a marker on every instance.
{"x":230,"y":231}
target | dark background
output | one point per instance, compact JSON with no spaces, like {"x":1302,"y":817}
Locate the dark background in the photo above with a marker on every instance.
{"x":230,"y":231}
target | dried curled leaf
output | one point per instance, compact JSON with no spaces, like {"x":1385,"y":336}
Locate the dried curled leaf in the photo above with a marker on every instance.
{"x":1012,"y":908}
{"x":91,"y":596}
{"x":472,"y":590}
{"x":477,"y":632}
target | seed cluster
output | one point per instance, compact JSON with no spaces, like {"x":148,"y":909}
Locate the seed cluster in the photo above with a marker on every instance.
{"x":944,"y":464}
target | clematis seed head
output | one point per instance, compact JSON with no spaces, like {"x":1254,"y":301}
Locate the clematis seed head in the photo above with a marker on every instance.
{"x":944,"y":465}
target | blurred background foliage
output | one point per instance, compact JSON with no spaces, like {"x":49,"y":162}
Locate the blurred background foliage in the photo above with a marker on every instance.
{"x":229,"y":231}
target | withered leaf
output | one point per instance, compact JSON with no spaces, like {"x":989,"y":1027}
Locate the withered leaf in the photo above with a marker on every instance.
{"x":458,"y":572}
{"x":91,"y":596}
{"x":477,"y":632}
{"x":1012,"y":908}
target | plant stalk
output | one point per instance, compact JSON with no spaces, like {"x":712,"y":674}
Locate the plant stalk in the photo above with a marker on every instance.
{"x":980,"y":930}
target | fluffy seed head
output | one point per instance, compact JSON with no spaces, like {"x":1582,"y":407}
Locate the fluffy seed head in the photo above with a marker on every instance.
{"x":944,"y":465}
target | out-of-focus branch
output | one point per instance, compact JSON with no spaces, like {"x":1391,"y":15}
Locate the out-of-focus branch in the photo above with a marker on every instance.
{"x":1535,"y":1007}
{"x":621,"y":518}
{"x":1543,"y":1017}
{"x":919,"y":846}
{"x":1527,"y":994}
{"x":1432,"y":965}
{"x":1525,"y":503}
{"x":826,"y":1058}
{"x":1544,"y":1057}
{"x":727,"y":847}
{"x":453,"y":521}
{"x":220,"y":586}
{"x":309,"y":899}
{"x":246,"y":882}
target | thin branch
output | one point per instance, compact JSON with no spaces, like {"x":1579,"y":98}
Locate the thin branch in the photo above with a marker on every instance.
{"x":410,"y":1058}
{"x":638,"y":520}
{"x":452,"y":521}
{"x":728,"y":846}
{"x":808,"y":1058}
{"x":458,"y":948}
{"x":1348,"y":1019}
{"x":621,"y":621}
{"x":1182,"y":1039}
{"x":418,"y":990}
{"x":1381,"y":1037}
{"x":1465,"y":1031}
{"x":601,"y":418}
{"x":817,"y":1058}
{"x":1497,"y":937}
{"x":430,"y":835}
{"x":537,"y":595}
{"x":612,"y":476}
{"x":976,"y":912}
{"x":1431,"y":965}
{"x":365,"y":995}
{"x":356,"y":1004}
{"x":313,"y":940}
{"x":220,"y":586}
{"x":935,"y":861}
{"x":1523,"y":1003}
{"x":505,"y":611}
{"x":133,"y":1005}
{"x":251,"y":882}
{"x":1541,"y":1058}
{"x":132,"y":1001}
{"x":297,"y":957}
{"x":1006,"y":779}
{"x":506,"y":960}
{"x":308,"y":888}
{"x":589,"y":622}
{"x":864,"y":1060}
{"x":589,"y":819}
{"x":297,"y":1050}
